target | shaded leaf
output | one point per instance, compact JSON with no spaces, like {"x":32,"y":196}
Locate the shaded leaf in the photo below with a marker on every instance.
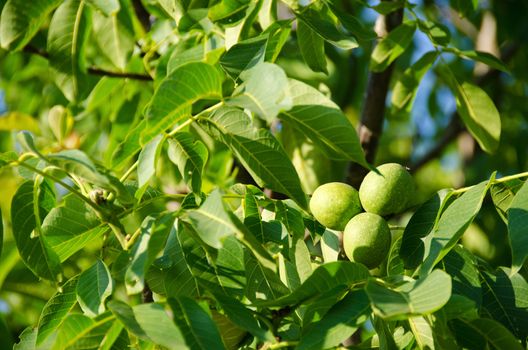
{"x":19,"y":22}
{"x":493,"y":333}
{"x":199,"y":330}
{"x":190,"y":157}
{"x":343,"y":319}
{"x":108,"y":7}
{"x":502,"y":194}
{"x":461,"y":266}
{"x":392,"y":46}
{"x":312,"y":47}
{"x":518,"y":227}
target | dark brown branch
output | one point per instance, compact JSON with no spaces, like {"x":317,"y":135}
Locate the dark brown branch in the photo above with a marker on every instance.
{"x":373,"y":113}
{"x":93,"y":70}
{"x":135,"y":76}
{"x":142,"y":14}
{"x":455,"y":128}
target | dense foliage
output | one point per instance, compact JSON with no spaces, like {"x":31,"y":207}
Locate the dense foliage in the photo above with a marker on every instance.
{"x":158,"y":156}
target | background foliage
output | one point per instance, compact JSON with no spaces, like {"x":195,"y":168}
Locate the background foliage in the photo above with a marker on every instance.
{"x":157,"y":156}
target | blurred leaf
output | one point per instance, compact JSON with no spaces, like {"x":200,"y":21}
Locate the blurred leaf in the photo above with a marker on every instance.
{"x":19,"y":22}
{"x":94,"y":287}
{"x":353,"y":24}
{"x":108,"y":7}
{"x":199,"y":330}
{"x":420,"y":297}
{"x":115,"y":40}
{"x":422,"y":331}
{"x":330,"y":246}
{"x":392,"y":46}
{"x":190,"y":157}
{"x":386,"y":7}
{"x":438,"y":33}
{"x":464,"y":7}
{"x":227,"y":8}
{"x":321,"y":24}
{"x":71,"y":226}
{"x":7,"y":158}
{"x":505,"y":298}
{"x":339,"y":323}
{"x":404,"y":90}
{"x":493,"y":332}
{"x":480,"y":56}
{"x":324,"y":278}
{"x":174,"y":97}
{"x":68,"y":31}
{"x":518,"y":227}
{"x":453,"y":223}
{"x":31,"y":203}
{"x":19,"y":121}
{"x":502,"y":194}
{"x":258,"y":151}
{"x":147,"y":160}
{"x":80,"y":331}
{"x":312,"y":47}
{"x":264,"y":91}
{"x":324,"y":123}
{"x":157,"y":325}
{"x":56,"y":310}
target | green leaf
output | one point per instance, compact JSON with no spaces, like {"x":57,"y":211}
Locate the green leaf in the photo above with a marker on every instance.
{"x":461,"y":266}
{"x":312,"y":47}
{"x":324,"y":278}
{"x":502,"y":194}
{"x":478,"y":113}
{"x":68,"y":31}
{"x":20,"y":22}
{"x":392,"y":46}
{"x":71,"y":226}
{"x":263,"y":283}
{"x":484,"y":57}
{"x":190,"y":157}
{"x":56,"y":309}
{"x":115,"y":40}
{"x":339,"y":323}
{"x":505,"y":298}
{"x":199,"y":330}
{"x":420,"y":297}
{"x":330,"y":247}
{"x":244,"y":55}
{"x":174,"y":97}
{"x":80,"y":331}
{"x":386,"y":7}
{"x":438,"y":33}
{"x":321,"y":24}
{"x":493,"y":332}
{"x":453,"y":223}
{"x":7,"y":158}
{"x":108,"y":7}
{"x":94,"y":286}
{"x":257,"y":150}
{"x":264,"y":91}
{"x":147,"y":160}
{"x":125,"y":314}
{"x":31,"y":203}
{"x":464,"y":7}
{"x":353,"y":25}
{"x":157,"y":325}
{"x":423,"y":333}
{"x":242,"y":316}
{"x":518,"y":227}
{"x":324,"y":123}
{"x":227,"y":8}
{"x":404,"y":90}
{"x":412,"y":249}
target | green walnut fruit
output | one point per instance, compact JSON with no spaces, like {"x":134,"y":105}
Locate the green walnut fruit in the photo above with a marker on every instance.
{"x":387,"y":192}
{"x":367,"y":239}
{"x":334,"y":204}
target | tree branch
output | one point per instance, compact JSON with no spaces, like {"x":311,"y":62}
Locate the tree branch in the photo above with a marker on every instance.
{"x":373,"y":113}
{"x":93,"y":70}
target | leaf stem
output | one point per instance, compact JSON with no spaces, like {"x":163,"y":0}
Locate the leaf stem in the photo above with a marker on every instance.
{"x":496,"y":181}
{"x":283,"y":344}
